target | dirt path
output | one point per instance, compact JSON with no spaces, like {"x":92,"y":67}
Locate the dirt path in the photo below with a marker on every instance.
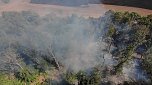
{"x":94,"y":10}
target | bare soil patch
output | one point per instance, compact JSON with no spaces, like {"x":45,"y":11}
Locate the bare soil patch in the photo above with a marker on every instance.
{"x":90,"y":10}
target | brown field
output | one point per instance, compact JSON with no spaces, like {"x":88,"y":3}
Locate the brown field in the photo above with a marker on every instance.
{"x":92,"y":10}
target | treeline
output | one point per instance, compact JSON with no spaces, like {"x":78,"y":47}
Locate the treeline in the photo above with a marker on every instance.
{"x":131,"y":34}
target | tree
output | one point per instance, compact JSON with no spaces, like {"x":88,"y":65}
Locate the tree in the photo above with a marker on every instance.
{"x":118,"y":16}
{"x":26,"y":76}
{"x":147,"y":63}
{"x":51,"y":54}
{"x":9,"y":80}
{"x":11,"y":59}
{"x":111,"y":31}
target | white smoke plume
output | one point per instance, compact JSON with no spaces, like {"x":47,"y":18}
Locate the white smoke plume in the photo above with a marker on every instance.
{"x":133,"y":71}
{"x":73,"y":39}
{"x":76,"y":42}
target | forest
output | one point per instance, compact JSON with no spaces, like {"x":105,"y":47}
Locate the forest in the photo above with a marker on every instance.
{"x":114,"y":49}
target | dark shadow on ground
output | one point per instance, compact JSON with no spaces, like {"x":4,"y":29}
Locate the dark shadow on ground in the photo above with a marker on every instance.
{"x":147,"y":4}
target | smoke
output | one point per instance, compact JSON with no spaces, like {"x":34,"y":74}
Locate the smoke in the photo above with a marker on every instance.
{"x":73,"y":39}
{"x":77,"y":43}
{"x":134,"y":71}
